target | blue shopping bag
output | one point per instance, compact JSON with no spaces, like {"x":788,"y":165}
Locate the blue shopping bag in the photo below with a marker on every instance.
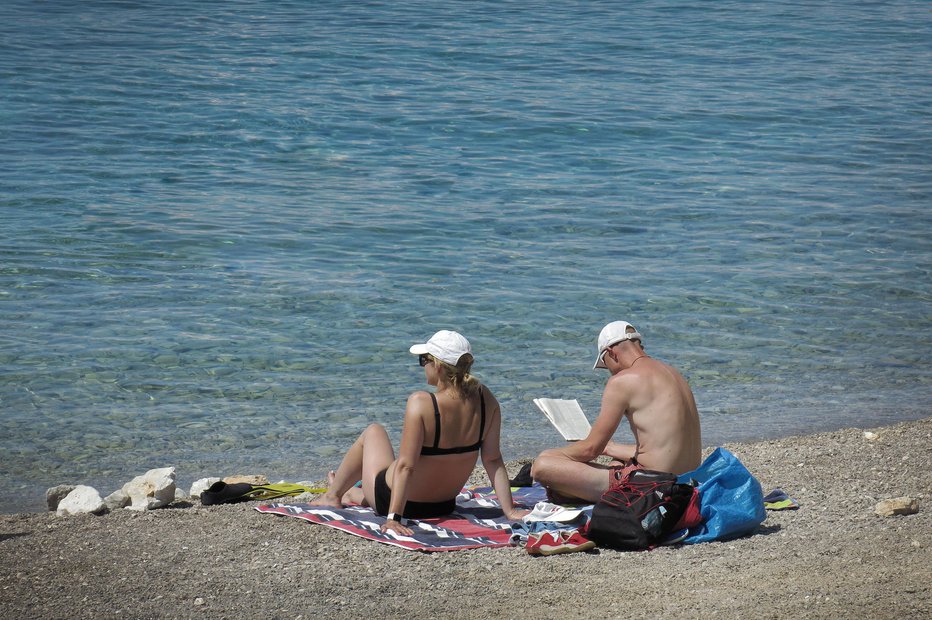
{"x":732,"y":502}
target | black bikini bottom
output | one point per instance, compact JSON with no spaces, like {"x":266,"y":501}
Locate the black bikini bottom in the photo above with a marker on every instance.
{"x":413,"y":510}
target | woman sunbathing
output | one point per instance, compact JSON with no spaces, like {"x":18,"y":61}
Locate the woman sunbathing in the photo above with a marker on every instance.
{"x":443,"y":435}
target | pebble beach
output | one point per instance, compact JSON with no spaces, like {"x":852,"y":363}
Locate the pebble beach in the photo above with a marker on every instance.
{"x":833,"y":557}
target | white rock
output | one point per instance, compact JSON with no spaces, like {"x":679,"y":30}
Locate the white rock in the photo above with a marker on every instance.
{"x":56,"y":494}
{"x":153,"y":489}
{"x":869,"y":436}
{"x":250,"y":478}
{"x":897,"y":506}
{"x":82,"y":500}
{"x":201,"y":485}
{"x":117,"y":499}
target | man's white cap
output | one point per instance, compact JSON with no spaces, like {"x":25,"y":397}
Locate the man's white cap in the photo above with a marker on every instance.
{"x":613,"y":333}
{"x":447,"y":346}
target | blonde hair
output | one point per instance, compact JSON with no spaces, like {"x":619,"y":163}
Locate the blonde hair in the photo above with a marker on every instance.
{"x":463,"y":383}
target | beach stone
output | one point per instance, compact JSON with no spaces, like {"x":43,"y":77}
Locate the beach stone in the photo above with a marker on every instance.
{"x":117,"y":499}
{"x":249,"y":479}
{"x":56,"y":494}
{"x":153,"y":489}
{"x":897,"y":506}
{"x":201,"y":485}
{"x":82,"y":500}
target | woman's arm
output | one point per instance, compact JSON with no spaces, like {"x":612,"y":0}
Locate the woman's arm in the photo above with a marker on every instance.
{"x":412,"y":436}
{"x":495,"y":465}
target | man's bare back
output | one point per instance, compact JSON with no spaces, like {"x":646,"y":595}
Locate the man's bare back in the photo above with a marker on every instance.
{"x":662,"y":415}
{"x":661,"y":412}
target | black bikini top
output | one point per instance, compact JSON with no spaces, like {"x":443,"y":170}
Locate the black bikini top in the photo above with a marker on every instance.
{"x":435,"y":450}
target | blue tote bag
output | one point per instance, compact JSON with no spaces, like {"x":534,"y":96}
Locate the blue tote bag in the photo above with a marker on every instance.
{"x":732,"y":503}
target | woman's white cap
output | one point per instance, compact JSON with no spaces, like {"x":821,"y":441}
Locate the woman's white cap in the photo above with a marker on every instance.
{"x":613,"y":333}
{"x":447,"y":346}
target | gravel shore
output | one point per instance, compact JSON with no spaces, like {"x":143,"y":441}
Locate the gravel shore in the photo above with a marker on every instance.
{"x":834,"y":557}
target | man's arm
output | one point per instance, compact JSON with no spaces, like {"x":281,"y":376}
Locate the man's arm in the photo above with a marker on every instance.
{"x":620,"y":451}
{"x":614,"y":406}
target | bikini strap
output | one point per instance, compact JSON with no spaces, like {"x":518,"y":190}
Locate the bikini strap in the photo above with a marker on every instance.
{"x":482,"y":409}
{"x":437,"y":420}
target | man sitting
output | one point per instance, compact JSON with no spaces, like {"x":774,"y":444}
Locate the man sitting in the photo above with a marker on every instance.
{"x":660,"y":409}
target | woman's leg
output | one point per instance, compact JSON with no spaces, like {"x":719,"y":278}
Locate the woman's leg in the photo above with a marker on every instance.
{"x":353,"y":496}
{"x":370,"y":453}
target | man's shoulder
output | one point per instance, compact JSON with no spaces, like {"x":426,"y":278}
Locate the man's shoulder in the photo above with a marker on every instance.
{"x":652,"y":369}
{"x":625,"y":379}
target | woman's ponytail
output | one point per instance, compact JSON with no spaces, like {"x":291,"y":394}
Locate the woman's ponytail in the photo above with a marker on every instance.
{"x":458,"y":376}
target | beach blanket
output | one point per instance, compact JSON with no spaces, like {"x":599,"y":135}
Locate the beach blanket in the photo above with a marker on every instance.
{"x":478,"y":521}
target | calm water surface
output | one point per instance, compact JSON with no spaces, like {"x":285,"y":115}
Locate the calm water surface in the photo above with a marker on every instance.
{"x":222,"y":225}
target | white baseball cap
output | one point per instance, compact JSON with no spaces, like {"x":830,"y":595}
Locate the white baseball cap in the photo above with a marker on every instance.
{"x":447,"y":346}
{"x":613,"y":333}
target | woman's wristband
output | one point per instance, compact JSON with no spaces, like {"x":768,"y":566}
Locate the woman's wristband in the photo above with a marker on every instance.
{"x":394,"y":517}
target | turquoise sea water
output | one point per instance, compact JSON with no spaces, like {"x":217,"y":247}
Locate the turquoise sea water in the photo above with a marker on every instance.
{"x":223,"y":224}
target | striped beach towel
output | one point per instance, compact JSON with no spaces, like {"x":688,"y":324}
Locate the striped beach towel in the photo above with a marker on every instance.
{"x":477,"y":522}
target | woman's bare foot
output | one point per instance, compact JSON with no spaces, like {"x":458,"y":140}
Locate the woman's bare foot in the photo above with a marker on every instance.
{"x":328,"y":498}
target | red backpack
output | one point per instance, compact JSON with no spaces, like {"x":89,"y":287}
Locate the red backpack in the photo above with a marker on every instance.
{"x":640,"y":509}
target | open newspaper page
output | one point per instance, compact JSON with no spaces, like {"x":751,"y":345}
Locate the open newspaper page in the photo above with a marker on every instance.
{"x":566,"y":416}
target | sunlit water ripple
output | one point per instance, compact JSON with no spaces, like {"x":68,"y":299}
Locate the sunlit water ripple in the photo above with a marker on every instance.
{"x":221,"y":227}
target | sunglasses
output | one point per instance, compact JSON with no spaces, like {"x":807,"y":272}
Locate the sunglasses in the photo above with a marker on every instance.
{"x":423,"y":359}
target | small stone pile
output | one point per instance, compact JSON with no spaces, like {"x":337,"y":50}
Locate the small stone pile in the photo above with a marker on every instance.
{"x":153,"y":489}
